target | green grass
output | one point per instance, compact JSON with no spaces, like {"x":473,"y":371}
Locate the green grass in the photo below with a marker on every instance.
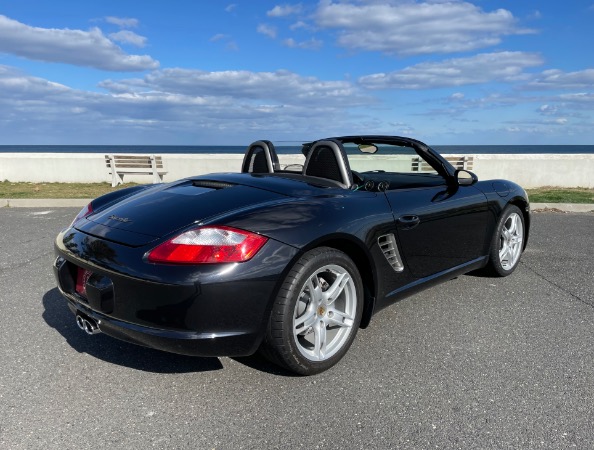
{"x":56,"y":190}
{"x":550,"y":194}
{"x":12,"y":190}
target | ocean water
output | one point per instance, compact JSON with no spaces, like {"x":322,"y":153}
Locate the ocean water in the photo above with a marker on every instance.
{"x":281,"y":149}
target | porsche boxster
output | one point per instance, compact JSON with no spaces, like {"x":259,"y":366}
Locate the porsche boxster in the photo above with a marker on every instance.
{"x":289,"y":260}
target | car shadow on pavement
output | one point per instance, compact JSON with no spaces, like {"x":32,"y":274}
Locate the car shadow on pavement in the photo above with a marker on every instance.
{"x":58,"y":316}
{"x":258,"y":362}
{"x":479,"y":273}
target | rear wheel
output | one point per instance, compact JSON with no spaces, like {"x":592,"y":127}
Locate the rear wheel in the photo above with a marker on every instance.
{"x":508,"y":242}
{"x":316,"y":314}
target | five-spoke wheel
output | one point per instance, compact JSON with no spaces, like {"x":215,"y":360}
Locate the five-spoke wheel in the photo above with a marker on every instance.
{"x":508,"y":242}
{"x":317,"y":312}
{"x":325,"y":312}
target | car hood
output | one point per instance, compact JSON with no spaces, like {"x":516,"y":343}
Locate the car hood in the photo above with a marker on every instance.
{"x":159,"y":211}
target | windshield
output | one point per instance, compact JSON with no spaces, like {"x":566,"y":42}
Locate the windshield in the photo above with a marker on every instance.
{"x":387,"y":158}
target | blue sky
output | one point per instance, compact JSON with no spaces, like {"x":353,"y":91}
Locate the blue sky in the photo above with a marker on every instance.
{"x":216,"y":72}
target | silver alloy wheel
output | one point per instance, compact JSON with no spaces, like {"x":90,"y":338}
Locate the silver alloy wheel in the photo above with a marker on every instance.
{"x":325,"y":312}
{"x":510,"y":241}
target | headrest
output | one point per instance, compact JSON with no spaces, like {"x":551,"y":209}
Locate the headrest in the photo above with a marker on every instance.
{"x":260,"y":157}
{"x":327,"y":159}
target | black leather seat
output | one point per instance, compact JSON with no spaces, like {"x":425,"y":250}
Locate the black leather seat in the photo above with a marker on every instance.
{"x":260,"y":157}
{"x":327,"y":159}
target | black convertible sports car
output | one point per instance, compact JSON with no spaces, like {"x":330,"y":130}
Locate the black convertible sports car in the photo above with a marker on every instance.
{"x":290,"y":261}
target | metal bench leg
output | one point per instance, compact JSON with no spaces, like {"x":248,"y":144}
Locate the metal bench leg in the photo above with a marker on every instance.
{"x":115,"y":177}
{"x":156,"y":177}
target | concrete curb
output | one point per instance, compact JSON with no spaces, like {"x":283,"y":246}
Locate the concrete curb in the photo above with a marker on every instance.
{"x":80,"y":202}
{"x":565,"y":207}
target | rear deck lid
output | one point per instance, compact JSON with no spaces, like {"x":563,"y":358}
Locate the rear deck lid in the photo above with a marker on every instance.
{"x":147,"y":216}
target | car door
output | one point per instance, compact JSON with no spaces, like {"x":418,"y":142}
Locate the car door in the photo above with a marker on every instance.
{"x":440,"y":227}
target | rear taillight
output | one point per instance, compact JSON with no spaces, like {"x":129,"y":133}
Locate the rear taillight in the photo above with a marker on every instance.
{"x":209,"y":244}
{"x":86,"y":211}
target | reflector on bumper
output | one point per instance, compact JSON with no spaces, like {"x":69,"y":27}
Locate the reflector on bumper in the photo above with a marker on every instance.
{"x":82,"y":276}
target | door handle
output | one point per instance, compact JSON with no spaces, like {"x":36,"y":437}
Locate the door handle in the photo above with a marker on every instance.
{"x":408,"y":221}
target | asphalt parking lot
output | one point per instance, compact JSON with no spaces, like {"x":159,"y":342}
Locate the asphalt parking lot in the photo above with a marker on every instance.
{"x":474,"y":363}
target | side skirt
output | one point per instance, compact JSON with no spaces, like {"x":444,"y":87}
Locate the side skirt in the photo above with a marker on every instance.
{"x":430,"y":281}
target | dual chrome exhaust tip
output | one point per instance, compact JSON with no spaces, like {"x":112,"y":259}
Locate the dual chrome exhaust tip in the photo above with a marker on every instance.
{"x":88,"y":325}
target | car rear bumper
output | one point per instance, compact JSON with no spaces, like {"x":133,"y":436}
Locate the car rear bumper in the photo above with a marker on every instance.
{"x":210,"y":310}
{"x":229,"y":343}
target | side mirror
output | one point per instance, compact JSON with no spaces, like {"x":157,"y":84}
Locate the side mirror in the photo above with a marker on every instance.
{"x":465,"y":177}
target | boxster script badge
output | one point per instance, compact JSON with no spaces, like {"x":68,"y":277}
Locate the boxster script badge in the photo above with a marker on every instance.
{"x":120,"y":219}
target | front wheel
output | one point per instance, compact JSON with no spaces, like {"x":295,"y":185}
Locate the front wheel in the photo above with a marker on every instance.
{"x":508,"y":242}
{"x":316,"y":314}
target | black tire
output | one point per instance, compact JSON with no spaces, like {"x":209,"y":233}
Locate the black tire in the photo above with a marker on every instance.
{"x":296,"y":302}
{"x":497,"y":265}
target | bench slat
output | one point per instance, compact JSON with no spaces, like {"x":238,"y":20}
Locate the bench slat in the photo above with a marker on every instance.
{"x":459,"y":162}
{"x":119,"y":165}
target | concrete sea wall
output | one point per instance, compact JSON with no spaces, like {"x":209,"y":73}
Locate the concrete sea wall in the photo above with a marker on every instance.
{"x":574,"y":170}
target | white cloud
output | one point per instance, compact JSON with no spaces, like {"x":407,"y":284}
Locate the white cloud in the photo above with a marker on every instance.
{"x":401,"y":129}
{"x":282,"y":86}
{"x":122,"y":22}
{"x":580,"y":97}
{"x":548,"y":110}
{"x":413,"y":27}
{"x":558,"y":79}
{"x":13,"y":83}
{"x":481,"y":68}
{"x":230,"y":44}
{"x":39,"y":109}
{"x":299,"y":24}
{"x":128,"y":37}
{"x":219,"y":37}
{"x":310,"y":44}
{"x":191,"y":106}
{"x":267,"y":30}
{"x":228,"y":105}
{"x":284,"y":10}
{"x":231,"y":7}
{"x":458,"y":104}
{"x":82,"y":48}
{"x":552,"y":109}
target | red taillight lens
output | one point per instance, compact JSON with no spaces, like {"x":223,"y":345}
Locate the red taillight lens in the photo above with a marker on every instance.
{"x":86,"y":211}
{"x":202,"y":245}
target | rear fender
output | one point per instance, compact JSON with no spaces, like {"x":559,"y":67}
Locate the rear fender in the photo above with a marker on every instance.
{"x":116,"y":196}
{"x":359,"y":254}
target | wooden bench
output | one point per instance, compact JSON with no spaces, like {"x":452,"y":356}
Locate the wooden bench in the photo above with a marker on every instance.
{"x":119,"y":165}
{"x":459,"y":162}
{"x":294,"y":168}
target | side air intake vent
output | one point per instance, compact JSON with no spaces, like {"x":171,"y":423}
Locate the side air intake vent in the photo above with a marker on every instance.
{"x":211,"y":184}
{"x":389,"y":248}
